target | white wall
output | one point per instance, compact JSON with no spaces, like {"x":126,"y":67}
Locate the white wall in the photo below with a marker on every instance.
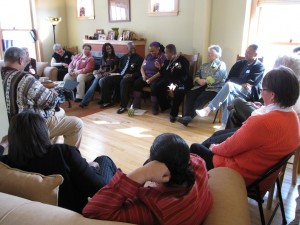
{"x":45,"y":9}
{"x":173,"y":29}
{"x":228,"y":21}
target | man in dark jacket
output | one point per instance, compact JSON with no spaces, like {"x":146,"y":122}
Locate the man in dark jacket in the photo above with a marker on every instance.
{"x":244,"y":81}
{"x":129,"y":67}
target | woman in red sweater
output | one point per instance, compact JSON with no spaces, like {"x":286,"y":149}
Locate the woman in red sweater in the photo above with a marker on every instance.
{"x":271,"y":133}
{"x":177,"y":194}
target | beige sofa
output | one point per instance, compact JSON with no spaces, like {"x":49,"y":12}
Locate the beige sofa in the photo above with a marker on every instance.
{"x":227,"y":186}
{"x":42,"y":70}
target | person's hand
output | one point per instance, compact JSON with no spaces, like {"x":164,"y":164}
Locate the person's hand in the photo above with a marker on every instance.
{"x":95,"y":164}
{"x":65,"y":65}
{"x":157,"y":172}
{"x":4,"y":141}
{"x":247,"y":86}
{"x":211,"y":146}
{"x":105,"y":74}
{"x":144,"y":77}
{"x":201,"y":82}
{"x":157,"y":65}
{"x":256,"y":105}
{"x":128,"y":75}
{"x":153,"y":171}
{"x":150,"y":80}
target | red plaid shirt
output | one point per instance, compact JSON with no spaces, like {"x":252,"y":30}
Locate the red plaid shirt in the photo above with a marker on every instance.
{"x":127,"y":201}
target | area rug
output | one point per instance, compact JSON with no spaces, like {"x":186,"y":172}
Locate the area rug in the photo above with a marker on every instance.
{"x":75,"y":110}
{"x":296,"y":221}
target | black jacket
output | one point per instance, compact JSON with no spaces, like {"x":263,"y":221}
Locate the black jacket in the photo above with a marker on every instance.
{"x":134,"y":66}
{"x":80,"y":179}
{"x":177,"y":72}
{"x":254,"y":76}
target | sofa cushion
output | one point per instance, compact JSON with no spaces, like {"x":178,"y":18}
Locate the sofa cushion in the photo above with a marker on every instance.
{"x":40,"y":66}
{"x":32,"y":186}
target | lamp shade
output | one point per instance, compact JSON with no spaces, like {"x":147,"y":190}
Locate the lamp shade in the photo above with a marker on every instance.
{"x":54,"y":20}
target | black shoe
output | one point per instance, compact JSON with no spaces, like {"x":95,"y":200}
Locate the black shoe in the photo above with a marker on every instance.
{"x":172,"y":119}
{"x":121,"y":110}
{"x":184,"y":121}
{"x":105,"y":105}
{"x":82,"y":105}
{"x":78,"y":100}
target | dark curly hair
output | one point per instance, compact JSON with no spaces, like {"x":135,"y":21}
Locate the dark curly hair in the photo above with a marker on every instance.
{"x":172,"y":150}
{"x":104,"y":52}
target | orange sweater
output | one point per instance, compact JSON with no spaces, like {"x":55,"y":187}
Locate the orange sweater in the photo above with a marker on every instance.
{"x":259,"y":144}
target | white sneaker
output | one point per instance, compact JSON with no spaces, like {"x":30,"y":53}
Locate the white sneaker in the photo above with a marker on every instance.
{"x":203,"y":112}
{"x":222,"y":127}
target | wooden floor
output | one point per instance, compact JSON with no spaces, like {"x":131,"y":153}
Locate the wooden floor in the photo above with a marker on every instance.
{"x":127,"y":141}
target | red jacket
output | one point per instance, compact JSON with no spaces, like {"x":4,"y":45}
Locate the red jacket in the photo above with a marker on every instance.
{"x":83,"y":65}
{"x":259,"y":144}
{"x":127,"y":201}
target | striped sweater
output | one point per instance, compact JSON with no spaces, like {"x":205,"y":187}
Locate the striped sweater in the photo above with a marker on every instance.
{"x":23,"y":92}
{"x":127,"y":201}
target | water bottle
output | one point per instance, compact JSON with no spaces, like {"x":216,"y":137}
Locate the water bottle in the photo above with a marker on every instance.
{"x":131,"y":111}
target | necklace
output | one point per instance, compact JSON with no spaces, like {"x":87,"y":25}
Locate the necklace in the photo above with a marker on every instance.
{"x":171,"y":61}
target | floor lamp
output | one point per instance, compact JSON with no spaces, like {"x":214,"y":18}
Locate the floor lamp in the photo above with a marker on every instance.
{"x":54,"y":21}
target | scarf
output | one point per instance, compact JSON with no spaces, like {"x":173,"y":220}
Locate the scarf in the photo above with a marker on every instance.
{"x":269,"y":108}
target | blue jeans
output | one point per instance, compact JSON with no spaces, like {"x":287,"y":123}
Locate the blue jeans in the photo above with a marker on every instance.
{"x":89,"y":94}
{"x":225,"y":97}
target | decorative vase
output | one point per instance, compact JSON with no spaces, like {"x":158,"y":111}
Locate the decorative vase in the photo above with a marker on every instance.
{"x":116,"y":30}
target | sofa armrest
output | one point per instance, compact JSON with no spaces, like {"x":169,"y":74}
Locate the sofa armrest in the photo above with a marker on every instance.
{"x":230,"y":204}
{"x":51,"y":73}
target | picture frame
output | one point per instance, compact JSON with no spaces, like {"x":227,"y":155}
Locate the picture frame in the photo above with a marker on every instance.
{"x":102,"y":37}
{"x":111,"y":35}
{"x":85,"y":9}
{"x":119,"y":11}
{"x":163,"y":7}
{"x":100,"y":31}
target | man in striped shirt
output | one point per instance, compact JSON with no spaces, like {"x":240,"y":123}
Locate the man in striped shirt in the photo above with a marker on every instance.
{"x":22,"y":91}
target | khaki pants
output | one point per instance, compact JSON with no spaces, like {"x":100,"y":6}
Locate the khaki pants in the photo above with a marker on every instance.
{"x":81,"y":79}
{"x":70,"y":127}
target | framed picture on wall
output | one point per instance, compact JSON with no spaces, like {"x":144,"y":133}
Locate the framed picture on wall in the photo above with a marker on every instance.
{"x":119,"y":10}
{"x":85,"y":9}
{"x":163,"y":7}
{"x":100,"y":31}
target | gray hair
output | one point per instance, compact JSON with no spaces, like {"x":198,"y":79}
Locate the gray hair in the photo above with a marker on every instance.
{"x":56,"y":46}
{"x":292,"y":62}
{"x":130,"y":44}
{"x":216,"y":49}
{"x":13,"y":54}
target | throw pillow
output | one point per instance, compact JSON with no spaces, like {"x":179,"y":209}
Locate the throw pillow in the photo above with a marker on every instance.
{"x":32,"y":186}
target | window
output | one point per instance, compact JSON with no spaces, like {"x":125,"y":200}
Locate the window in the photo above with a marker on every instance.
{"x":17,"y":27}
{"x":277,"y":30}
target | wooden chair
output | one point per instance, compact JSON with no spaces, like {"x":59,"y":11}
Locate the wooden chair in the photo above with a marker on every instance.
{"x":73,"y":50}
{"x":193,"y":60}
{"x":254,"y":191}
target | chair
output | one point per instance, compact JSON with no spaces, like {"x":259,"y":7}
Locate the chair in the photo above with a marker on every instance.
{"x":73,"y":50}
{"x":254,"y":191}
